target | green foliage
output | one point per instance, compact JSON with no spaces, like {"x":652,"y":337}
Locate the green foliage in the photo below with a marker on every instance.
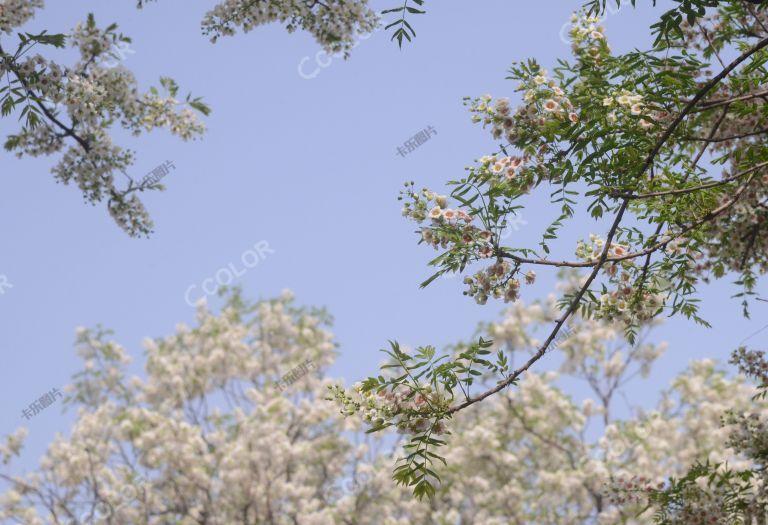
{"x":663,"y":148}
{"x":15,"y":94}
{"x":404,"y":30}
{"x":718,"y":492}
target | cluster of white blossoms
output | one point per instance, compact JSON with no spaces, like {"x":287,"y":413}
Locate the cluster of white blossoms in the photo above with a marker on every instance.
{"x":452,"y":229}
{"x":335,"y":24}
{"x":625,"y":104}
{"x":739,"y":236}
{"x":404,"y":408}
{"x":14,"y":13}
{"x":545,"y":105}
{"x":495,"y":281}
{"x":724,"y":490}
{"x":505,"y":168}
{"x":588,"y":37}
{"x":591,"y":252}
{"x":81,"y":104}
{"x":526,"y":455}
{"x":448,"y":227}
{"x":204,"y":436}
{"x":625,"y":303}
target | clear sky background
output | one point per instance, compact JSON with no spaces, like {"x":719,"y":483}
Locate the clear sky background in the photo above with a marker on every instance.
{"x":308,"y":165}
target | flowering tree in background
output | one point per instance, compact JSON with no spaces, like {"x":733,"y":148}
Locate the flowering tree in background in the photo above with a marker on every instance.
{"x":207,"y":436}
{"x":663,"y":148}
{"x":72,"y":110}
{"x":665,"y":154}
{"x":712,"y":491}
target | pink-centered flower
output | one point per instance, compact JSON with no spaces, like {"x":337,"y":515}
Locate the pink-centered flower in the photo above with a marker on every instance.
{"x":551,"y":105}
{"x":619,"y":251}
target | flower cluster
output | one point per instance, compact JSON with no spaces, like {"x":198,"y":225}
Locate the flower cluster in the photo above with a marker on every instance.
{"x":751,"y":363}
{"x":497,"y":282}
{"x":448,"y":226}
{"x":627,"y":303}
{"x":624,"y":105}
{"x":545,"y":107}
{"x":632,"y":491}
{"x":335,"y":24}
{"x":14,"y":13}
{"x":740,"y":236}
{"x":748,"y":434}
{"x":588,"y":37}
{"x":452,"y":229}
{"x":591,"y":252}
{"x":405,"y":408}
{"x":81,"y":104}
{"x":627,"y":306}
{"x":188,"y":438}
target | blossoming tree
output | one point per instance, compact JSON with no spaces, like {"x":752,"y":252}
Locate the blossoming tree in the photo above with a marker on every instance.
{"x":664,"y":153}
{"x":206,"y":437}
{"x":72,"y":110}
{"x":716,"y":492}
{"x":211,"y":435}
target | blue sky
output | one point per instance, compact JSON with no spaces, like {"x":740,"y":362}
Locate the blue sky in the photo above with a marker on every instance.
{"x":307,"y":166}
